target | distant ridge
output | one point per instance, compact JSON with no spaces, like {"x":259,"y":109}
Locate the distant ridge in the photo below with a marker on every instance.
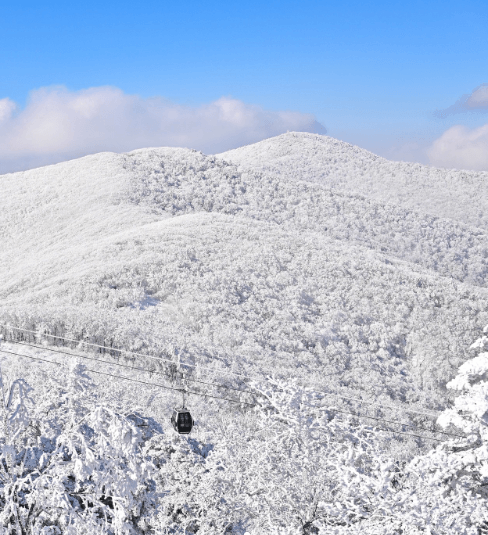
{"x":448,"y":193}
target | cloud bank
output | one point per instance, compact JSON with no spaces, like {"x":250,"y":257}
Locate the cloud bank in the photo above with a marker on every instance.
{"x":58,"y":124}
{"x":461,"y":148}
{"x":477,"y":100}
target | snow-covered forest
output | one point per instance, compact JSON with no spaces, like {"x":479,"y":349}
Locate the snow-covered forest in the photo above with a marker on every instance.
{"x":322,"y":309}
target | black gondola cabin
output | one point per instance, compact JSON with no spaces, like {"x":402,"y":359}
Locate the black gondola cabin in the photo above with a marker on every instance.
{"x":182,"y":420}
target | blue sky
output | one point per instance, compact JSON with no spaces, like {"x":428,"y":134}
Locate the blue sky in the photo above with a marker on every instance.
{"x":372,"y":73}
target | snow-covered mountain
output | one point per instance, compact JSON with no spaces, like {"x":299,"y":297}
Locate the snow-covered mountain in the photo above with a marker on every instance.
{"x":449,"y":193}
{"x":313,"y":318}
{"x":168,"y":248}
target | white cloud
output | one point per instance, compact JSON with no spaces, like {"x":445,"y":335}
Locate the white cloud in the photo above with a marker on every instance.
{"x":477,"y":100}
{"x":7,"y":108}
{"x":59,"y":124}
{"x":461,"y":148}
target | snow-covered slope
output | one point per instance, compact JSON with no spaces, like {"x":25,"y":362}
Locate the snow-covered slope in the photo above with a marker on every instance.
{"x":448,"y":193}
{"x":361,"y":309}
{"x":168,"y":249}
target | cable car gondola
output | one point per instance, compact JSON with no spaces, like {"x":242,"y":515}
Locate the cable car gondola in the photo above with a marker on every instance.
{"x":181,"y":420}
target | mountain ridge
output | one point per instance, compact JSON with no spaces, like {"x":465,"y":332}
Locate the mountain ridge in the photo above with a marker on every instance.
{"x":448,"y":193}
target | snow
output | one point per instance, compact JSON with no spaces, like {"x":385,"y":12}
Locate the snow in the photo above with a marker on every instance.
{"x":448,"y":193}
{"x":298,"y":257}
{"x":167,"y":248}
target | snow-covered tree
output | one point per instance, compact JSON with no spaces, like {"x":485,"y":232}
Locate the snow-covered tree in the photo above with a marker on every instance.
{"x":298,"y":466}
{"x":446,"y":490}
{"x":77,"y":467}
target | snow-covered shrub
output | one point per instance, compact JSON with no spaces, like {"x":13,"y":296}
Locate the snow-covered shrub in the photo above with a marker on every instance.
{"x":71,"y":466}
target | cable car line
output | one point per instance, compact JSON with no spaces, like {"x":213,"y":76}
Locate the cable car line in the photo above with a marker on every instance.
{"x":332,"y":394}
{"x":341,"y":396}
{"x":412,"y":426}
{"x":159,"y":359}
{"x":223,"y":386}
{"x":431,"y":414}
{"x":129,"y":367}
{"x":398,"y":423}
{"x":227,"y":399}
{"x":108,"y":349}
{"x":391,"y":431}
{"x":134,"y":380}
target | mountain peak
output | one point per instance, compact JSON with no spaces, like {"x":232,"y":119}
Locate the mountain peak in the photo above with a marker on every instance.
{"x":449,"y":193}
